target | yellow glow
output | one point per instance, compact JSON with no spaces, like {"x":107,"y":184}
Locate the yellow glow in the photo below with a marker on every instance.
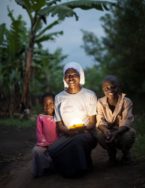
{"x":76,"y":123}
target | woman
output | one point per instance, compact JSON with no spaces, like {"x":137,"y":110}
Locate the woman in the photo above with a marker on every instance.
{"x":75,"y":110}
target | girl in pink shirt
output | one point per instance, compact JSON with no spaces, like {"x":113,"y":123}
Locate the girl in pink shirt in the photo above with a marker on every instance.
{"x":46,"y":134}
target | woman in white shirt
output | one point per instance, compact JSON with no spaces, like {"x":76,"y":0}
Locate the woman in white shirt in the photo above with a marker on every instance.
{"x":75,"y":110}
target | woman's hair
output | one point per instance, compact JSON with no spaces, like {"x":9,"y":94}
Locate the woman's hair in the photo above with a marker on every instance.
{"x":47,"y":95}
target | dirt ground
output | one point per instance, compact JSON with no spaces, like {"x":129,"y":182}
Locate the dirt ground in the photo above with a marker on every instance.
{"x":15,"y":166}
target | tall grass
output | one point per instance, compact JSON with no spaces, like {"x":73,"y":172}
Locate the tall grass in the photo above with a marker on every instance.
{"x":139,"y":146}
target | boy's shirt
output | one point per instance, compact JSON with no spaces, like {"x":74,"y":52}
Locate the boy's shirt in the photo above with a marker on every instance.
{"x":121,"y":116}
{"x":46,"y":130}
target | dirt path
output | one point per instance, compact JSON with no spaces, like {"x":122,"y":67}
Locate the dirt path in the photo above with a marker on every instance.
{"x":18,"y":174}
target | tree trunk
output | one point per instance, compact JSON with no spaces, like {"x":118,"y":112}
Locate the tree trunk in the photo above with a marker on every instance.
{"x":27,"y":77}
{"x":25,"y":101}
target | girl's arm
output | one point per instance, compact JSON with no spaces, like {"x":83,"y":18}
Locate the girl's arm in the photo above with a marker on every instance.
{"x":61,"y":127}
{"x":39,"y":132}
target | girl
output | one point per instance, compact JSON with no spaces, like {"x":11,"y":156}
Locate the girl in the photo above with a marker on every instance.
{"x":45,"y":134}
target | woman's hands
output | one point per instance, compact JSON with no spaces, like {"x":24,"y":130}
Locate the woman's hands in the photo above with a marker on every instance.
{"x":76,"y":130}
{"x":63,"y":129}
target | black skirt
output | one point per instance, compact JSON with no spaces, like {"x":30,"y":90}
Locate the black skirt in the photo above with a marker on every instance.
{"x":72,"y":154}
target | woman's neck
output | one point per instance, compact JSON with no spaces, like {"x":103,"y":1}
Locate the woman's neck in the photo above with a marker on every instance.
{"x":73,"y":90}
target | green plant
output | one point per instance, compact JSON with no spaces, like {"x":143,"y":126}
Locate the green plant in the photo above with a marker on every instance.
{"x":140,"y":136}
{"x":15,"y":122}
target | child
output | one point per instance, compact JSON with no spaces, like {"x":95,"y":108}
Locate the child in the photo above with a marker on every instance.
{"x":46,"y":134}
{"x":114,"y":119}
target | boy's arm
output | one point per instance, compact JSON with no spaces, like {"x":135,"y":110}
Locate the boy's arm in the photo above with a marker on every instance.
{"x":127,"y":118}
{"x":101,"y":121}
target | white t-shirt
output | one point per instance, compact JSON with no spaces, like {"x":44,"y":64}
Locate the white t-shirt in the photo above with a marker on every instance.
{"x":79,"y":106}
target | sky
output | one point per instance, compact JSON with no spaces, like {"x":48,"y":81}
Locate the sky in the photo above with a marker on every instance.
{"x":71,"y":40}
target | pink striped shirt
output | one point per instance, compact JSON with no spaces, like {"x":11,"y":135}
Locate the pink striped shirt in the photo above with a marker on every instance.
{"x":45,"y":130}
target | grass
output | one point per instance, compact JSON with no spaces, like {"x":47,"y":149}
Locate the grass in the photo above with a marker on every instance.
{"x":139,"y":146}
{"x":16,"y":122}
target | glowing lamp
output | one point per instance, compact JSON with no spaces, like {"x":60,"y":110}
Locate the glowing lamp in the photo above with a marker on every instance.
{"x":76,"y":123}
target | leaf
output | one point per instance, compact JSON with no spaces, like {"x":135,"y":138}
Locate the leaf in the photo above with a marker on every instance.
{"x":61,"y":11}
{"x":56,"y":22}
{"x":37,"y":4}
{"x":21,"y":3}
{"x":50,"y":36}
{"x":89,"y":4}
{"x":2,"y":33}
{"x":53,"y":2}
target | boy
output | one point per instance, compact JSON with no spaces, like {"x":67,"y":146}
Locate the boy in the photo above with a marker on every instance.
{"x":114,"y":119}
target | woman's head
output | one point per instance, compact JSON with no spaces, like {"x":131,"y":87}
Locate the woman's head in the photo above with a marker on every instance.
{"x":48,"y":103}
{"x":111,"y":86}
{"x":73,"y":72}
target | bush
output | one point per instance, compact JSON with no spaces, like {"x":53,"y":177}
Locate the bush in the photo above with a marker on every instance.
{"x":140,"y":136}
{"x":17,"y":122}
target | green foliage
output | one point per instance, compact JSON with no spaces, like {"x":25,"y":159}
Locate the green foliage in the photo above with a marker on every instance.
{"x":48,"y":27}
{"x":121,"y":50}
{"x":94,"y":79}
{"x":126,"y":44}
{"x":47,"y":71}
{"x":12,"y":48}
{"x":93,"y":47}
{"x":38,"y":11}
{"x":18,"y":63}
{"x":65,"y":9}
{"x":140,"y":136}
{"x":88,"y":4}
{"x":13,"y":44}
{"x":15,"y":122}
{"x":50,"y":36}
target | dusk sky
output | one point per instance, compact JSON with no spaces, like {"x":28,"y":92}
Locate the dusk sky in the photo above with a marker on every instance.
{"x":71,"y":41}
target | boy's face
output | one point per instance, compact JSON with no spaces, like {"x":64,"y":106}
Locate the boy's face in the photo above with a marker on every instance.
{"x":48,"y":106}
{"x":110,"y":89}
